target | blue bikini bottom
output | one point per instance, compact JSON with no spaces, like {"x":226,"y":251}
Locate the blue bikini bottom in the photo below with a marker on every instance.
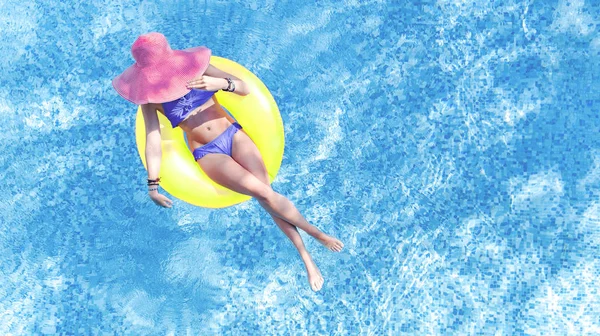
{"x":219,"y":145}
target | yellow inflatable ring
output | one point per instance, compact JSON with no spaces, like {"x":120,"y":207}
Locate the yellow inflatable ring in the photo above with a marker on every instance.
{"x":257,"y":112}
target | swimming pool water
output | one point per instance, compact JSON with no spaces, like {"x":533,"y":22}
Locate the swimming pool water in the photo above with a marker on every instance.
{"x":452,"y":145}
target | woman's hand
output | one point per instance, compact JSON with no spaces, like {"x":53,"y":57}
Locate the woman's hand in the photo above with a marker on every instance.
{"x":160,"y":199}
{"x":208,"y":83}
{"x":214,"y":79}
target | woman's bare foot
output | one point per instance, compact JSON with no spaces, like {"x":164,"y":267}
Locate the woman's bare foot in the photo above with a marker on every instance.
{"x":315,"y":279}
{"x":330,"y":242}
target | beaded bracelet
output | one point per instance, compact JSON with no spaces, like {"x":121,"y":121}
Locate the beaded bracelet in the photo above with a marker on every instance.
{"x":152,"y":189}
{"x":230,"y":85}
{"x":153,"y":182}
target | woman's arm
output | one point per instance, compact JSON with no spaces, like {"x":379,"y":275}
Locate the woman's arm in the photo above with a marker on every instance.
{"x":214,"y":79}
{"x":153,"y":151}
{"x":153,"y":148}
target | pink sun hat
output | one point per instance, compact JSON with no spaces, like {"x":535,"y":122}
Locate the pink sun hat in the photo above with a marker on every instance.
{"x":159,"y":73}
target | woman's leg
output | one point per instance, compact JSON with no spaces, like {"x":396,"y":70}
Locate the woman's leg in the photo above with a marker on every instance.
{"x":258,"y":169}
{"x":228,"y":173}
{"x":247,"y":155}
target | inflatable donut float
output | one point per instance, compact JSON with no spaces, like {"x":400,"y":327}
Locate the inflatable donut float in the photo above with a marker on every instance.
{"x":257,"y":112}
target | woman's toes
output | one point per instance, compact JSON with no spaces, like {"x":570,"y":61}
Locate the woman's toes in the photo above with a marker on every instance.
{"x":315,"y":286}
{"x":336,"y":246}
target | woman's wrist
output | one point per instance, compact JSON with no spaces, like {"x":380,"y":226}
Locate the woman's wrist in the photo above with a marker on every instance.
{"x":152,"y":190}
{"x":153,"y":185}
{"x":230,"y":85}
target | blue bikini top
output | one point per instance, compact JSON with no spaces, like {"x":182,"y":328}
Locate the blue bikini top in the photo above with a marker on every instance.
{"x":176,"y":110}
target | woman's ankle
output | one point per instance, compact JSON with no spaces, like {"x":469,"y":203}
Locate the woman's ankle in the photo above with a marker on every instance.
{"x":316,"y":233}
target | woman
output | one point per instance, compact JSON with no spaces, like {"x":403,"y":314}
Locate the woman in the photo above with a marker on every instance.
{"x":181,"y":85}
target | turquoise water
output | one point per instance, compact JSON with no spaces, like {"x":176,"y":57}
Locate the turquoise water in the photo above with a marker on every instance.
{"x":452,"y":145}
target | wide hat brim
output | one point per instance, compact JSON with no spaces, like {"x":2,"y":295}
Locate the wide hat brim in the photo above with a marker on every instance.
{"x":162,"y":81}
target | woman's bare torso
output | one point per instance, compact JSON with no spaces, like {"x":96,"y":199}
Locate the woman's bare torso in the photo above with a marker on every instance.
{"x":204,"y":123}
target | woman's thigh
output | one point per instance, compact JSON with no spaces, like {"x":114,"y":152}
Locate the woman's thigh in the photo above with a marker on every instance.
{"x":224,"y":170}
{"x":245,"y":152}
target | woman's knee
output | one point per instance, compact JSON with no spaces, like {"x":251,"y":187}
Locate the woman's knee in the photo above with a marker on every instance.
{"x":264,"y":194}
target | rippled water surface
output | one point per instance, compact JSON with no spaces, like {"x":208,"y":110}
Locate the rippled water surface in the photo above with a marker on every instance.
{"x":452,"y":145}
